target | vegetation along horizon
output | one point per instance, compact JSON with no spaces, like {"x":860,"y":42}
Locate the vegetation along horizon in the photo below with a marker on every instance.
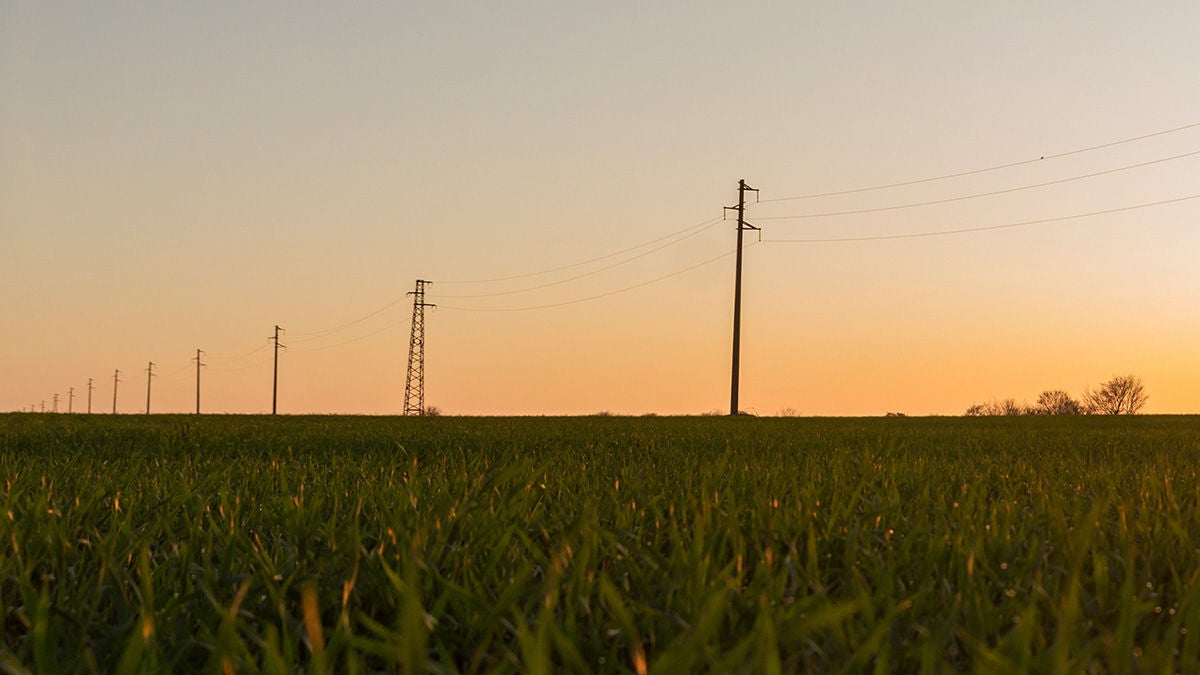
{"x":599,"y":544}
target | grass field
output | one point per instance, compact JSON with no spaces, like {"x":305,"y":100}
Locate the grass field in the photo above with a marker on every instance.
{"x":179,"y":543}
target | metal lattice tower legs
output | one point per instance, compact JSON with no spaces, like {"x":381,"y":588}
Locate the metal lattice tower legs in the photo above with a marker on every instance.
{"x":414,"y":387}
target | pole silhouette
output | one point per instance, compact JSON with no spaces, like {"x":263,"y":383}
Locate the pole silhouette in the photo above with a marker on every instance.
{"x":55,"y":409}
{"x":116,"y":381}
{"x":71,"y":400}
{"x":414,"y":386}
{"x":742,"y":226}
{"x":89,"y":396}
{"x":198,"y":366}
{"x":275,"y":378}
{"x":149,"y":374}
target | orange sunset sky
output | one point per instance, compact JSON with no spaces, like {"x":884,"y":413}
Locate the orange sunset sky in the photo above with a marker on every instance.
{"x":183,"y":176}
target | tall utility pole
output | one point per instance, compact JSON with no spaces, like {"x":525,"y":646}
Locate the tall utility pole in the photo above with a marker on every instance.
{"x":89,"y":396}
{"x":414,"y":387}
{"x":116,"y":381}
{"x":198,"y":366}
{"x":70,"y":399}
{"x":275,"y":380}
{"x":55,"y":403}
{"x":737,"y":292}
{"x":149,"y":374}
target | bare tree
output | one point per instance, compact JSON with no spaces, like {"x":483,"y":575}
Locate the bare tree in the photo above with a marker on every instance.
{"x":1010,"y":407}
{"x":1122,"y":395}
{"x":1057,"y":402}
{"x":1006,"y":408}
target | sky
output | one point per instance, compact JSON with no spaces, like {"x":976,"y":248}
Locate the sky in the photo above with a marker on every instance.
{"x":183,"y":176}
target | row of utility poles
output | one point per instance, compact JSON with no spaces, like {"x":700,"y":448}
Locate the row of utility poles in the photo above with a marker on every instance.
{"x":116,"y":381}
{"x":70,"y":400}
{"x":150,"y":375}
{"x":414,"y":390}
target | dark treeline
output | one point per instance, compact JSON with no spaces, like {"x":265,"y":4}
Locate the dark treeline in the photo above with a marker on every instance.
{"x":1121,"y":395}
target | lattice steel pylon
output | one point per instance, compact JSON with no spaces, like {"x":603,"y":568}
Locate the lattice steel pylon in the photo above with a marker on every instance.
{"x":414,"y":388}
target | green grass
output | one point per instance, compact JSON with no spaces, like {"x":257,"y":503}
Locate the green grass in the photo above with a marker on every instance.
{"x":174,"y":543}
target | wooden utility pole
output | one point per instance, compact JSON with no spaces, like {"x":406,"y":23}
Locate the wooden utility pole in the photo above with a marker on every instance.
{"x":149,"y":374}
{"x":89,"y":395}
{"x":198,"y":366}
{"x":275,"y":379}
{"x":116,"y":381}
{"x":742,"y":226}
{"x":70,"y":399}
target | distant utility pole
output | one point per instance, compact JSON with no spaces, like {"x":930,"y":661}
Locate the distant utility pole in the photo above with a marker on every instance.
{"x":43,"y":406}
{"x":737,"y":292}
{"x":116,"y":381}
{"x":149,"y":374}
{"x":275,"y":381}
{"x":55,"y":403}
{"x":198,"y":366}
{"x":89,"y":396}
{"x":70,"y":399}
{"x":414,"y":387}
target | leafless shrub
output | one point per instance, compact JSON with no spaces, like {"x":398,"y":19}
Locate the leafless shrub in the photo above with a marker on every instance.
{"x":1122,"y":395}
{"x":1057,"y":402}
{"x":1006,"y":408}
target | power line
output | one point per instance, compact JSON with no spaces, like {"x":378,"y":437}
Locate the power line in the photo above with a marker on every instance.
{"x":174,"y":374}
{"x":966,"y":230}
{"x":587,"y":274}
{"x":981,"y":194}
{"x":255,"y":364}
{"x":996,"y":167}
{"x":705,"y":224}
{"x":601,"y":295}
{"x":314,"y":335}
{"x":675,"y":237}
{"x":239,"y":357}
{"x":352,"y":340}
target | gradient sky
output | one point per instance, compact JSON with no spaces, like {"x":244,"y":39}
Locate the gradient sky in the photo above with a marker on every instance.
{"x":176,"y":176}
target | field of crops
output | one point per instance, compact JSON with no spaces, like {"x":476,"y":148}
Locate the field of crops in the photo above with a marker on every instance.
{"x":173,"y":543}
